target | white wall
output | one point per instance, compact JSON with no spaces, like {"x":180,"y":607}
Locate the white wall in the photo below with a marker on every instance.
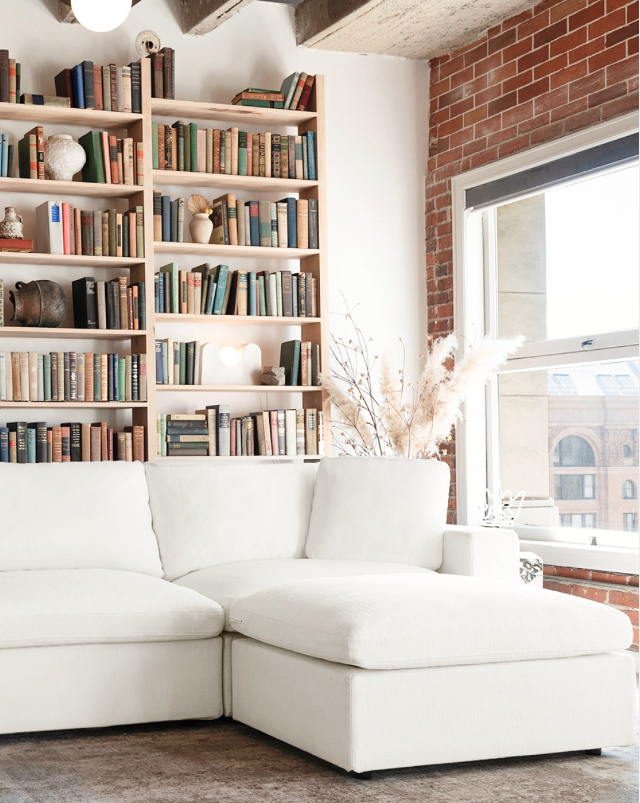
{"x":376,"y":138}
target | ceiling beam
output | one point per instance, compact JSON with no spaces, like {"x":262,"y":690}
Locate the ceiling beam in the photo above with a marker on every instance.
{"x":201,"y":16}
{"x":317,"y":19}
{"x":64,"y":12}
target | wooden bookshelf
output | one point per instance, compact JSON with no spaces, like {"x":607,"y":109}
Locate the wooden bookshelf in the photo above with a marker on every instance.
{"x":139,"y":127}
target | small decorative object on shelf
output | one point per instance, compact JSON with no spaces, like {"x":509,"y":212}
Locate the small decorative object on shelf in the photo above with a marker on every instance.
{"x":63,"y":157}
{"x":272,"y":375}
{"x":201,"y":225}
{"x":39,"y":303}
{"x":11,"y":226}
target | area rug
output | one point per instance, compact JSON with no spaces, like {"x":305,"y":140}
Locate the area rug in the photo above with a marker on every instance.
{"x":225,"y":762}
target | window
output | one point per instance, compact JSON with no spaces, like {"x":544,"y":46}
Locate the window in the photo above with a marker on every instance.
{"x":557,"y":263}
{"x":630,"y":521}
{"x":629,"y":490}
{"x":573,"y":451}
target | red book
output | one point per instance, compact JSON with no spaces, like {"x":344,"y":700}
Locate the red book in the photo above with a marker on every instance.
{"x":306,"y":92}
{"x":77,"y":223}
{"x":133,"y":249}
{"x":97,"y":84}
{"x":66,"y":444}
{"x":113,"y":159}
{"x":66,"y":229}
{"x":140,"y":163}
{"x":130,"y":307}
{"x":232,"y":438}
{"x":134,"y":307}
{"x":64,"y":84}
{"x":110,"y":443}
{"x":106,"y":156}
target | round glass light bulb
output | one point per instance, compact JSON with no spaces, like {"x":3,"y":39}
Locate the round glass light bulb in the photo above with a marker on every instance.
{"x":101,"y":15}
{"x":230,"y":355}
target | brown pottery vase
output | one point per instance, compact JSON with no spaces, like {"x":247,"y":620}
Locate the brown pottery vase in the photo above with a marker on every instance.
{"x":39,"y":303}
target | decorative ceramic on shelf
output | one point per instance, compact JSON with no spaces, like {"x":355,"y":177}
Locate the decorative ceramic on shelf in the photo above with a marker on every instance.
{"x":39,"y":303}
{"x":201,"y":226}
{"x":11,"y":226}
{"x":63,"y":157}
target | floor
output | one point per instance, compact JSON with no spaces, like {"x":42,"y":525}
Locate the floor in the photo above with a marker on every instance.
{"x":225,"y":762}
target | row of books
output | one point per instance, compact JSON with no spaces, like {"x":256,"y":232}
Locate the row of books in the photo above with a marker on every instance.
{"x":112,"y":160}
{"x":62,"y":228}
{"x":301,"y":363}
{"x":113,"y":304}
{"x":108,"y":88}
{"x":6,"y":157}
{"x":213,"y":432}
{"x":72,"y":376}
{"x":208,"y":290}
{"x":163,"y":73}
{"x":177,"y":363}
{"x":23,"y":442}
{"x":10,"y":73}
{"x":184,"y":146}
{"x":293,"y":94}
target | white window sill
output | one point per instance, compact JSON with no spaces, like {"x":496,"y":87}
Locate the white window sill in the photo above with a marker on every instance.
{"x":584,"y":556}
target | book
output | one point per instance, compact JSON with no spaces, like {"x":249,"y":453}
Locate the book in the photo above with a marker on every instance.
{"x":49,"y":234}
{"x":85,"y":314}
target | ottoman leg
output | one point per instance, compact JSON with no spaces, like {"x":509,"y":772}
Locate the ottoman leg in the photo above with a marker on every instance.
{"x":595,"y":752}
{"x":362,"y":776}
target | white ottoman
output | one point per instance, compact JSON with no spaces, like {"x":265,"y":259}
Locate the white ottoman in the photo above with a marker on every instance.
{"x":404,"y":670}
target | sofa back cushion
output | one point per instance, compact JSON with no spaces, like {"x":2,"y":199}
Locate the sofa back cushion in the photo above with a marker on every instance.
{"x":77,"y":516}
{"x":380,"y":508}
{"x":208,"y":514}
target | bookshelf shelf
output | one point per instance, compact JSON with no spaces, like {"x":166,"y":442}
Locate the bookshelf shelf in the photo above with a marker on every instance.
{"x":189,"y":109}
{"x":42,"y":115}
{"x":240,"y":388}
{"x":261,"y":458}
{"x":235,"y":320}
{"x":80,"y":188}
{"x":28,"y":332}
{"x":74,"y":405}
{"x":184,"y":178}
{"x":227,"y":251}
{"x":67,"y":261}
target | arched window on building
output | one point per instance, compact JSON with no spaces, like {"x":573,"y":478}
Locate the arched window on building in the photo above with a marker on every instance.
{"x":629,"y":490}
{"x":573,"y":452}
{"x":627,"y":451}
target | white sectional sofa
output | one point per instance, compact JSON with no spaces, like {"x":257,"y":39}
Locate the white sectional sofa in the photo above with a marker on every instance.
{"x":332,"y":608}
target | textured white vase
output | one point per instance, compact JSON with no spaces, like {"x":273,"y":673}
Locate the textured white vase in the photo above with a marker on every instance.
{"x":63,"y":157}
{"x":201,"y":227}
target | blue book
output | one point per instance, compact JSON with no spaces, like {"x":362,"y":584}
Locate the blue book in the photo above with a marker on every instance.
{"x":77,"y":83}
{"x":166,"y":219}
{"x":253,"y":301}
{"x":4,"y":444}
{"x":160,"y":298}
{"x":311,"y":150}
{"x":116,"y":378}
{"x":294,"y":294}
{"x":292,"y":222}
{"x":223,"y":276}
{"x":159,"y":376}
{"x":31,"y":444}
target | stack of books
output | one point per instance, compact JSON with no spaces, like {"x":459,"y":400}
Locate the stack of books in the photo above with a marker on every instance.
{"x":108,"y":88}
{"x":163,"y":73}
{"x":177,"y":363}
{"x":72,"y":376}
{"x":264,"y":98}
{"x":301,"y":363}
{"x":6,"y":157}
{"x":10,"y":71}
{"x":23,"y":442}
{"x":62,"y":228}
{"x":111,"y":160}
{"x":184,"y":146}
{"x":113,"y":304}
{"x":296,"y":90}
{"x":269,"y":433}
{"x":208,"y":290}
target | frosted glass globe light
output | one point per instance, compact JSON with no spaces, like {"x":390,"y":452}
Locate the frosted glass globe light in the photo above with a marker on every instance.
{"x":101,"y":15}
{"x":230,"y":355}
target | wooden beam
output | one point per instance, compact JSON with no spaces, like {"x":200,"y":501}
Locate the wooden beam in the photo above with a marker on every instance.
{"x":199,"y":17}
{"x":316,"y":19}
{"x":65,"y":14}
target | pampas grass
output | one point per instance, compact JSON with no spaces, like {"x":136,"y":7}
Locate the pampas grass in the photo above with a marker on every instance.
{"x":401,"y":419}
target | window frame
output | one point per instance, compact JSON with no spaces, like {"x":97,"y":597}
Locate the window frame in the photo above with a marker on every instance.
{"x":475,"y":312}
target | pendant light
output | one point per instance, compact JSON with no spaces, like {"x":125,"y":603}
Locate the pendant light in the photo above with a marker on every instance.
{"x":101,"y":15}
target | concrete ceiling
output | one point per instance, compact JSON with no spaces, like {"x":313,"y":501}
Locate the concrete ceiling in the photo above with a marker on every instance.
{"x":412,"y":29}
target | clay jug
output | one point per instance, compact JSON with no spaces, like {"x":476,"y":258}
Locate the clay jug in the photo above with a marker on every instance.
{"x":11,"y":226}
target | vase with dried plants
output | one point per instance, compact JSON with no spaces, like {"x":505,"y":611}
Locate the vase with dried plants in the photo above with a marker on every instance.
{"x":201,"y":226}
{"x":380,"y":413}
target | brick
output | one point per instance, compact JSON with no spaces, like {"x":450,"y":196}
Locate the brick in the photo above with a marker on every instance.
{"x":554,"y":99}
{"x":586,"y":15}
{"x":575,"y":574}
{"x":635,"y":639}
{"x":450,"y":127}
{"x":441,"y":116}
{"x":565,"y":9}
{"x":621,"y":34}
{"x":451,"y":67}
{"x":462,"y":106}
{"x":513,"y":146}
{"x":551,"y":66}
{"x":445,"y":284}
{"x":522,"y":111}
{"x":486,"y":65}
{"x":607,"y":57}
{"x":547,"y":132}
{"x":533,"y":90}
{"x":475,"y":86}
{"x":607,"y":23}
{"x":533,"y":123}
{"x":553,"y":585}
{"x":569,"y":74}
{"x":610,"y":578}
{"x":632,"y":12}
{"x":451,"y":97}
{"x":612,"y":5}
{"x":585,"y":51}
{"x":533,"y":25}
{"x":591,"y":592}
{"x":549,"y":571}
{"x":610,"y":93}
{"x":501,"y":41}
{"x":569,"y":109}
{"x":475,"y":116}
{"x":632,"y":46}
{"x":488,"y":126}
{"x":439,"y":88}
{"x":488,"y":94}
{"x":518,"y":81}
{"x":624,"y":599}
{"x":586,"y":85}
{"x":484,"y":157}
{"x":513,"y":22}
{"x":503,"y":135}
{"x":627,"y":103}
{"x":569,"y":42}
{"x":533,"y":58}
{"x":550,"y":33}
{"x":476,"y":54}
{"x":633,"y":615}
{"x":437,"y":146}
{"x":517,"y":50}
{"x":462,"y":137}
{"x":633,"y":580}
{"x":583,"y":120}
{"x":503,"y":103}
{"x":462,"y":77}
{"x":501,"y":74}
{"x":475,"y":146}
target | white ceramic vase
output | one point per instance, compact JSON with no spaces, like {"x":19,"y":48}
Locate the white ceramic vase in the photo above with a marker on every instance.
{"x":63,"y":157}
{"x":201,"y":228}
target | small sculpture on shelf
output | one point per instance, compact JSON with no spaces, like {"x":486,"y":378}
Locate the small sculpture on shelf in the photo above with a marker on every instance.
{"x":63,"y":157}
{"x":11,"y":237}
{"x":272,"y":375}
{"x":201,"y":225}
{"x":39,"y":303}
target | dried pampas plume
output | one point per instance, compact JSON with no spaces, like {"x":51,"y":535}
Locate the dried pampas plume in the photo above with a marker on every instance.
{"x":198,"y":204}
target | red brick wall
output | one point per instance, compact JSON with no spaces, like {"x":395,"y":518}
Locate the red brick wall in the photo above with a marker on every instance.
{"x":561,"y":66}
{"x":617,"y":590}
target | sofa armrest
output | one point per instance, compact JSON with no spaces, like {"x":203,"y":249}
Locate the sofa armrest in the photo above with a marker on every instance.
{"x":481,"y":552}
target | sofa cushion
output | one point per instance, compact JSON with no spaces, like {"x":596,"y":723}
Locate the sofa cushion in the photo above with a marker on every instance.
{"x":379,"y":508}
{"x":225,"y":584}
{"x":211,"y":514}
{"x":418,"y":620}
{"x":89,"y":606}
{"x":77,"y":516}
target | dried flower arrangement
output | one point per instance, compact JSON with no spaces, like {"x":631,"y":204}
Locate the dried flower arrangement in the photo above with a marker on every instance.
{"x":378,"y":416}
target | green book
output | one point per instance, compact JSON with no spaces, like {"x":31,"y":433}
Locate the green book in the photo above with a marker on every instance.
{"x":262,"y":298}
{"x":242,"y":154}
{"x":93,"y":169}
{"x":290,"y":361}
{"x":193,"y":128}
{"x":183,"y":364}
{"x":125,"y":235}
{"x":47,"y":376}
{"x":171,"y":282}
{"x":187,"y":149}
{"x":113,"y":233}
{"x":122,"y":377}
{"x":24,"y":157}
{"x":154,"y":143}
{"x":97,"y":384}
{"x":264,"y":104}
{"x":179,"y":129}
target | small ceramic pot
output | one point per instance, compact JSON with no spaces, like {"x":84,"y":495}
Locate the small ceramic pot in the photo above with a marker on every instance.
{"x":63,"y":157}
{"x":201,"y":228}
{"x":11,"y":226}
{"x":39,"y":303}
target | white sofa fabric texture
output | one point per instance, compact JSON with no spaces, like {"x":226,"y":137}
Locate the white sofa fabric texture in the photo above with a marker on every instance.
{"x":346,"y":521}
{"x":400,"y":621}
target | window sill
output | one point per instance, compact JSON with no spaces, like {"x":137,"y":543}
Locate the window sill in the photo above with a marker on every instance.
{"x":583,"y":556}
